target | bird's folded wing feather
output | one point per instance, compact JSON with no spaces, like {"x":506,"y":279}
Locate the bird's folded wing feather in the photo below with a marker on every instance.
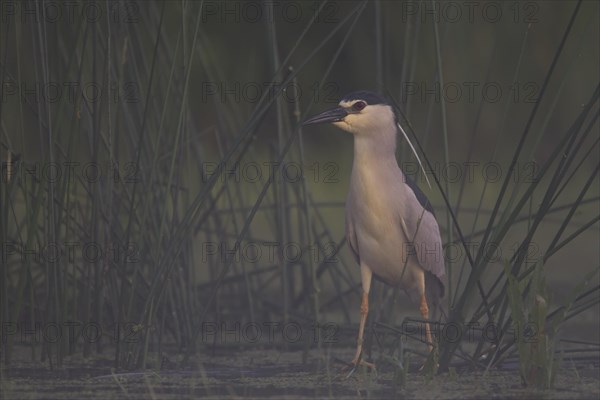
{"x":421,"y":229}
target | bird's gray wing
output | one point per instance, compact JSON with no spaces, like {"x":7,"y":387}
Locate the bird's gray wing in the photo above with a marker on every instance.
{"x":421,"y":228}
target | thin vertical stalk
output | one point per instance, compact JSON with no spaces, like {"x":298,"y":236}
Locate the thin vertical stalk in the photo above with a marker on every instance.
{"x":440,"y":69}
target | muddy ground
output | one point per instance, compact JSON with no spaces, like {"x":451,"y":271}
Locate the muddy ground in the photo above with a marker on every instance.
{"x":283,"y":374}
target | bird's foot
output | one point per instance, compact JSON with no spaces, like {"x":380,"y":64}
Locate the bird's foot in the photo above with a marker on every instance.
{"x":353,"y":366}
{"x":431,"y":364}
{"x":426,"y":365}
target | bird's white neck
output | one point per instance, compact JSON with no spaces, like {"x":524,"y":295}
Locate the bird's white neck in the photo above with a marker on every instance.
{"x":377,"y":148}
{"x":375,"y":172}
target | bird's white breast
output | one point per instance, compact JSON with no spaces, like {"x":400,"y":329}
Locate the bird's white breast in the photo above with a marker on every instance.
{"x":374,"y":210}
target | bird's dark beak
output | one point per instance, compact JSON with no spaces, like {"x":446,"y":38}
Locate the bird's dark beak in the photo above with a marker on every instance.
{"x":333,"y":115}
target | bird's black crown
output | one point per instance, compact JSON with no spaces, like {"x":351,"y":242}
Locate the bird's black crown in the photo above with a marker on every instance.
{"x":371,"y":98}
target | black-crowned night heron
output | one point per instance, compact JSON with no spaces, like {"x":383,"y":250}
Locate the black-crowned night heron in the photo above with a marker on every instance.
{"x":390,"y":224}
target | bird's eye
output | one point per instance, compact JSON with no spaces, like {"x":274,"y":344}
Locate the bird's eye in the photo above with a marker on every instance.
{"x":359,"y":105}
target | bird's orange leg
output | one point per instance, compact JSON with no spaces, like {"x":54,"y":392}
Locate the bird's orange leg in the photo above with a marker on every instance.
{"x":364,"y":311}
{"x":425,"y":314}
{"x":366,"y":275}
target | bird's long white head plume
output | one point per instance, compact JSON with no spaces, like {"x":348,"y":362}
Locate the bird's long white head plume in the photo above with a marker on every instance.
{"x":415,"y":153}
